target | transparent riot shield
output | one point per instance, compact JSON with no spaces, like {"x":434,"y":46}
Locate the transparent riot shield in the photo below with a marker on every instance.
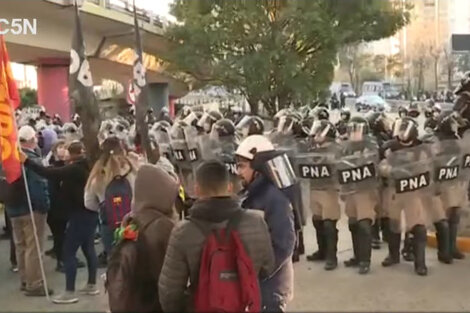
{"x":465,"y":152}
{"x":206,"y":146}
{"x":410,"y":174}
{"x":317,"y":168}
{"x":447,"y":161}
{"x":356,"y":166}
{"x":224,"y":150}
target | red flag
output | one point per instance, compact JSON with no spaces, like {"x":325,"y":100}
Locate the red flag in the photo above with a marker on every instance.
{"x":9,"y":101}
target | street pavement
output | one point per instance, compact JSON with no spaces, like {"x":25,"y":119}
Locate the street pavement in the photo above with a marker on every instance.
{"x":445,"y":289}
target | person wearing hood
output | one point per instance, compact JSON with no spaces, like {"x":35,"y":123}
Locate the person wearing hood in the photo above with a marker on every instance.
{"x":154,"y":217}
{"x":214,"y":208}
{"x":262,"y":194}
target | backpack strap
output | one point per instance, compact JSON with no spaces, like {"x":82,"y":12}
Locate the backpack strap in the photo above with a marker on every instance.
{"x":232,"y":224}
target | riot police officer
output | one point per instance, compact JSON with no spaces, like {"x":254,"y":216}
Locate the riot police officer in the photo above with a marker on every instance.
{"x":341,"y":125}
{"x":452,"y":189}
{"x":408,"y":166}
{"x":249,"y":125}
{"x":380,"y":130}
{"x":317,"y":167}
{"x":208,"y":119}
{"x":358,"y":187}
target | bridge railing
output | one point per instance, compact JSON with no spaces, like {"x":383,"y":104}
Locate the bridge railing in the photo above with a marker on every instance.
{"x":126,"y":6}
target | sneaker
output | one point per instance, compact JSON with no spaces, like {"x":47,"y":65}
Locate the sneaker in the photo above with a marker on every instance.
{"x":14,"y":268}
{"x":37,"y":292}
{"x":67,"y":297}
{"x":90,"y":290}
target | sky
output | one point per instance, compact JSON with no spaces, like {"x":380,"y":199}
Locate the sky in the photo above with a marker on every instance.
{"x":161,"y":7}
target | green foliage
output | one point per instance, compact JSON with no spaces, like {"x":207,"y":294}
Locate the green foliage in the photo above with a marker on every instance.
{"x":28,"y":96}
{"x":275,"y":52}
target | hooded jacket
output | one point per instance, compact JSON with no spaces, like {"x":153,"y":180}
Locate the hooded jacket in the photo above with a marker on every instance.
{"x":155,"y":194}
{"x":182,"y":260}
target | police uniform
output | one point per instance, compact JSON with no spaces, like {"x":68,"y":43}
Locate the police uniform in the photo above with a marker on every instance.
{"x":413,"y":207}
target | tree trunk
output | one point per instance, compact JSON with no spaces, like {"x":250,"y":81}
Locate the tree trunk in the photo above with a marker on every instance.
{"x":436,"y":74}
{"x":254,"y":105}
{"x":449,"y":77}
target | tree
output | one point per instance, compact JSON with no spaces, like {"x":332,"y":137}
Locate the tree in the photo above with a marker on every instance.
{"x":395,"y":65}
{"x":419,"y":61}
{"x":450,"y":64}
{"x":275,"y":52}
{"x":435,"y":54}
{"x":352,"y":59}
{"x":29,"y":97}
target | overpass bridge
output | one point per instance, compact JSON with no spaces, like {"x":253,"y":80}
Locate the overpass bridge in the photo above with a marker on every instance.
{"x":109,"y":38}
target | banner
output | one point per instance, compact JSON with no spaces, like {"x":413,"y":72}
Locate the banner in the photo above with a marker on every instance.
{"x":9,"y":101}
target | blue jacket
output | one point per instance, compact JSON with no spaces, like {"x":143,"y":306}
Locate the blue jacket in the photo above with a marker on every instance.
{"x":38,"y":190}
{"x":279,"y":216}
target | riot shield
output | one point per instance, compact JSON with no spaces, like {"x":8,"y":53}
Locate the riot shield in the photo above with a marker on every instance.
{"x":317,"y":167}
{"x":465,"y":151}
{"x":224,"y":150}
{"x":447,"y":161}
{"x":356,"y":166}
{"x":206,"y":147}
{"x":410,"y":174}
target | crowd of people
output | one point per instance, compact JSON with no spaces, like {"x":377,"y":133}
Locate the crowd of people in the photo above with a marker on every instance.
{"x":216,"y":223}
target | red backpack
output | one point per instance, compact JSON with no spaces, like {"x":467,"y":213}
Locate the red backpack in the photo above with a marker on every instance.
{"x":227,"y":280}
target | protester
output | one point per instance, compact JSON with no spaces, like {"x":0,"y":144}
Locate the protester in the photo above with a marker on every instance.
{"x":58,"y":215}
{"x":82,"y":222}
{"x":213,"y":210}
{"x":113,"y":162}
{"x":262,"y":194}
{"x":134,"y":267}
{"x":27,"y":252}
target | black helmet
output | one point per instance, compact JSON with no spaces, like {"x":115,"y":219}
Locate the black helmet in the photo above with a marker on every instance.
{"x":289,"y":123}
{"x":345,"y":115}
{"x":321,"y":113}
{"x":405,"y":129}
{"x":377,"y":122}
{"x":278,"y":116}
{"x":208,"y":120}
{"x":413,"y":110}
{"x":449,"y":123}
{"x":322,"y":130}
{"x":358,"y":127}
{"x":428,"y":112}
{"x":224,"y":128}
{"x":250,"y":125}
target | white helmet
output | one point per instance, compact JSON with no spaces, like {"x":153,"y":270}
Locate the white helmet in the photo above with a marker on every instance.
{"x":249,"y":147}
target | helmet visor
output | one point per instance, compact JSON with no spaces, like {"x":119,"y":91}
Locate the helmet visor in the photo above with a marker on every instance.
{"x":357,"y":131}
{"x":404,"y":129}
{"x":280,"y":171}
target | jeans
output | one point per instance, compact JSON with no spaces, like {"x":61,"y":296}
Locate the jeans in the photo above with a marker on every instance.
{"x":57,"y":226}
{"x":80,"y":232}
{"x":26,"y":250}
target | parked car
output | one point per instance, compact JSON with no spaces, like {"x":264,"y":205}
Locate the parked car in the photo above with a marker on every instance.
{"x":372,"y":102}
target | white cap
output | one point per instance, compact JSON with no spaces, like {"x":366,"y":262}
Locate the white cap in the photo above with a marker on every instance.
{"x":26,"y":133}
{"x":252,"y":145}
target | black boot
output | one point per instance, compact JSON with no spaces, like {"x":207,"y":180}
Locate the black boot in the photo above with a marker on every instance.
{"x":353,"y":262}
{"x":454,"y":220}
{"x":364,"y":232}
{"x":393,"y":257}
{"x":376,"y":242}
{"x":319,"y":255}
{"x":443,"y":242}
{"x":385,"y":227}
{"x":419,"y":249}
{"x":407,"y":250}
{"x":331,"y":236}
